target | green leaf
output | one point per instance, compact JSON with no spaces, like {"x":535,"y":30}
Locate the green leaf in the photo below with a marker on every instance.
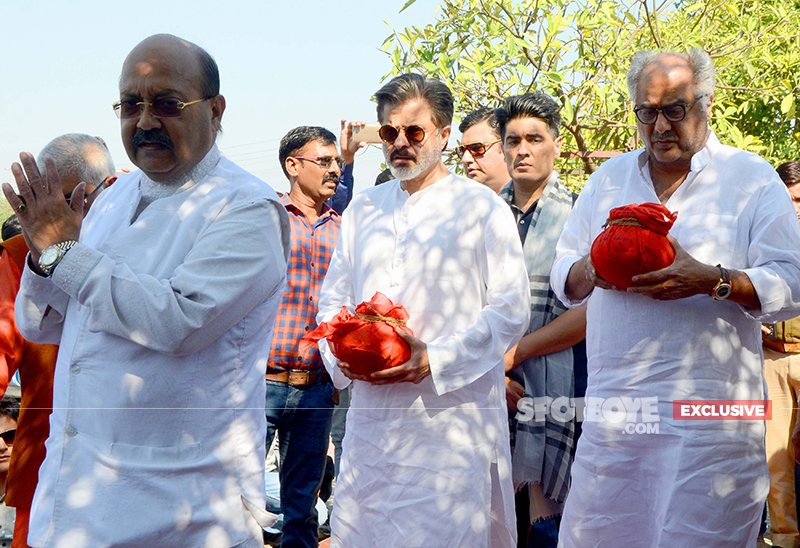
{"x":787,"y":104}
{"x":408,"y":3}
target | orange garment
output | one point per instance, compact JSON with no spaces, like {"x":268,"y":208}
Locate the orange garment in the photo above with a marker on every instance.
{"x":36,"y":364}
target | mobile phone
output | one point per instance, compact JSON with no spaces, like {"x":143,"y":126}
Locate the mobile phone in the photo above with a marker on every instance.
{"x":367,"y":134}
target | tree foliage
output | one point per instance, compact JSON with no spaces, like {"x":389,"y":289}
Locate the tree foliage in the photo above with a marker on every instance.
{"x":579,"y":52}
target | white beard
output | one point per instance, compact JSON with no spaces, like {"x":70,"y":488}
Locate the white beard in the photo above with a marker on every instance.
{"x":426,"y":159}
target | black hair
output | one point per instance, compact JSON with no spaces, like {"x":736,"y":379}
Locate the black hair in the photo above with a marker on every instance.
{"x":415,"y":86}
{"x":298,"y":138}
{"x":483,"y":114}
{"x":529,"y":105}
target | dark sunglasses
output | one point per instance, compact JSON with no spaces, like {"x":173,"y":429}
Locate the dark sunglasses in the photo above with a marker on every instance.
{"x":414,"y":134}
{"x":93,"y":194}
{"x":323,"y":161}
{"x":475,"y":149}
{"x":162,"y":107}
{"x":8,"y":436}
{"x":675,"y":112}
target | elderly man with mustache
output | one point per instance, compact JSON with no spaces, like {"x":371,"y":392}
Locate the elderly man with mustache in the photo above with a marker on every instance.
{"x":161,"y":300}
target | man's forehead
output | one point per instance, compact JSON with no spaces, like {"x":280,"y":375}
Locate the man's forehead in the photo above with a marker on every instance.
{"x":526,"y":125}
{"x":167,"y":61}
{"x":480,"y":131}
{"x":321,"y":147}
{"x":415,"y":109}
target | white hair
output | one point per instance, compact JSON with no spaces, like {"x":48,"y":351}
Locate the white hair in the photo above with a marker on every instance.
{"x":699,"y":61}
{"x":79,"y":155}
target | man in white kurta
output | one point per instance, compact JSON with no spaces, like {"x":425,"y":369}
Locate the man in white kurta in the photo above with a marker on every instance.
{"x":676,"y":335}
{"x":162,"y":309}
{"x":425,"y":456}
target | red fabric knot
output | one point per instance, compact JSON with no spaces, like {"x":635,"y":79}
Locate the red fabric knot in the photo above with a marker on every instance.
{"x":367,"y":340}
{"x":634,"y":241}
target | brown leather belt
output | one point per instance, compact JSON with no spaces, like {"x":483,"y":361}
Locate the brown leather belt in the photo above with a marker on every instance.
{"x":780,"y":346}
{"x":299,"y":377}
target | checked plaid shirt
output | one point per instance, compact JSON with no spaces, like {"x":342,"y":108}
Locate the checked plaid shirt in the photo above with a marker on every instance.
{"x":311,"y":251}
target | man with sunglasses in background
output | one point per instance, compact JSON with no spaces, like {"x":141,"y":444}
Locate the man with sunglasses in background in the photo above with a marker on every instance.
{"x":550,"y":359}
{"x":481,"y":151}
{"x":426,"y":459}
{"x":162,"y":301}
{"x":690,"y":331}
{"x":299,"y":390}
{"x":78,"y":158}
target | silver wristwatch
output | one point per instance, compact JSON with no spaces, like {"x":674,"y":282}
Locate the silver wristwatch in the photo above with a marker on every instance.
{"x":52,"y":255}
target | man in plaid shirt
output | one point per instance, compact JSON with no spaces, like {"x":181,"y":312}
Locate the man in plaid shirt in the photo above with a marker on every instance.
{"x":299,"y":391}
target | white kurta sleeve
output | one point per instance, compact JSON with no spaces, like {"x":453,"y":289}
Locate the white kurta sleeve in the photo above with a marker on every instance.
{"x":773,"y":255}
{"x":458,"y":359}
{"x":575,"y":243}
{"x":40,"y":308}
{"x":236,"y":262}
{"x":336,"y":292}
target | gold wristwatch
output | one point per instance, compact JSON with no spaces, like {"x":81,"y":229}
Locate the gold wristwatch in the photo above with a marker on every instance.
{"x":52,"y":255}
{"x":723,"y":288}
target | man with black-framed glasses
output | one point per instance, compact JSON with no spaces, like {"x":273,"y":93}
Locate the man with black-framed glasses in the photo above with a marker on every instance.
{"x":481,"y":151}
{"x":689,"y":332}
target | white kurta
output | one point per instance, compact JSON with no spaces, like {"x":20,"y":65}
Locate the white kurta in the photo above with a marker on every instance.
{"x":428,"y":464}
{"x":695,"y":483}
{"x":158,"y":421}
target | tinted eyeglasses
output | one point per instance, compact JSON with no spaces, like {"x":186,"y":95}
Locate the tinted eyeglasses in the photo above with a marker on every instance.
{"x":675,"y":112}
{"x":323,"y":161}
{"x":8,"y":436}
{"x":162,"y":107}
{"x":93,"y":194}
{"x":414,"y":134}
{"x":475,"y":149}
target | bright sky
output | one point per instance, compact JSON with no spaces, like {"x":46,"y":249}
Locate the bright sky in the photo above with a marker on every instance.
{"x":282,"y":64}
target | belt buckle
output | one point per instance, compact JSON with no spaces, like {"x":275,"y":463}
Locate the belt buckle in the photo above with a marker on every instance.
{"x":299,"y":377}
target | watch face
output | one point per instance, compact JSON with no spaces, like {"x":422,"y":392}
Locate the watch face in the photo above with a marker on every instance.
{"x":48,"y":256}
{"x":722,"y":292}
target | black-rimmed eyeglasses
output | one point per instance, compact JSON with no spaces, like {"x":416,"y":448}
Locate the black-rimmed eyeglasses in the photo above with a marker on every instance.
{"x":675,"y":112}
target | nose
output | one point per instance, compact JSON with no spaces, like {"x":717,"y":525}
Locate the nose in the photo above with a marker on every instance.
{"x":401,"y":141}
{"x":147,"y":120}
{"x":467,"y":159}
{"x":661,"y":124}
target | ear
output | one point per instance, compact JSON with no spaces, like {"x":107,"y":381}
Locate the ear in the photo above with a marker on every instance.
{"x":445,"y":136}
{"x":558,"y":142}
{"x":291,"y":166}
{"x":110,"y":181}
{"x":217,"y":110}
{"x":710,"y":104}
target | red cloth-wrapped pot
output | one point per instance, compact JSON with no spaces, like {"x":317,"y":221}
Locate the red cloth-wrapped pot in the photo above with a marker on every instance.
{"x":634,"y":241}
{"x":367,"y":340}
